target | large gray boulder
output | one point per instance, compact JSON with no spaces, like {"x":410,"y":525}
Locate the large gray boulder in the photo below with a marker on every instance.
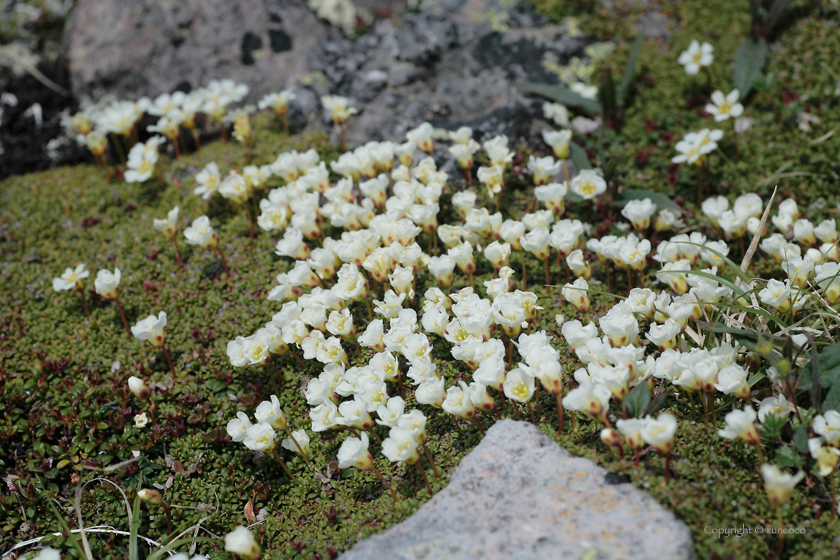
{"x":520,"y":496}
{"x":454,"y":63}
{"x":131,"y":48}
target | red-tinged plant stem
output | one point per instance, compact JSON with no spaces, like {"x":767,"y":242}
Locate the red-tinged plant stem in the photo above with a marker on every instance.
{"x":250,"y":222}
{"x":299,"y":448}
{"x":425,"y":478}
{"x":169,"y":360}
{"x":375,"y":436}
{"x":455,"y":421}
{"x":177,"y":252}
{"x":477,"y":422}
{"x":275,"y":376}
{"x":84,"y":302}
{"x":385,"y":482}
{"x":285,"y":467}
{"x":224,"y":262}
{"x":431,"y":461}
{"x":547,"y":278}
{"x":168,"y":517}
{"x":122,"y":314}
{"x":177,"y":146}
{"x":559,"y":397}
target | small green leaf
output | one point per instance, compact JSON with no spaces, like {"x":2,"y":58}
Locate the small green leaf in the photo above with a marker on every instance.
{"x":627,"y":77}
{"x":579,"y":157}
{"x":749,"y":60}
{"x":637,"y":400}
{"x":562,"y":95}
{"x":787,"y":457}
{"x":657,"y":198}
{"x":607,"y":97}
{"x":800,"y":439}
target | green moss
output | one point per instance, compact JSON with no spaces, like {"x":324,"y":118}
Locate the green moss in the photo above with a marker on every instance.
{"x":60,"y":419}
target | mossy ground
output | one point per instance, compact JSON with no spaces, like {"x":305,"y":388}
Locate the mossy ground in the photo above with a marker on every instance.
{"x":68,"y":411}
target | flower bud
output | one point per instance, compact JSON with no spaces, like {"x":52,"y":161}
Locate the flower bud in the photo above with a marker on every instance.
{"x":138,"y":388}
{"x":150,"y":496}
{"x":611,"y":438}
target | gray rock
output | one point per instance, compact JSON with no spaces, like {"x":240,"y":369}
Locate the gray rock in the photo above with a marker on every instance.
{"x":131,"y":48}
{"x":454,"y":63}
{"x":518,"y":495}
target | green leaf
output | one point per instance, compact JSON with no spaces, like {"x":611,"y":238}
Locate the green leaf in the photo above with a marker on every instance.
{"x":627,"y":77}
{"x":787,"y":457}
{"x":607,"y":97}
{"x":657,"y":402}
{"x":637,"y":400}
{"x":800,"y":439}
{"x":657,"y":198}
{"x":562,"y":95}
{"x":749,"y":60}
{"x":579,"y":158}
{"x":832,"y":399}
{"x":216,"y":385}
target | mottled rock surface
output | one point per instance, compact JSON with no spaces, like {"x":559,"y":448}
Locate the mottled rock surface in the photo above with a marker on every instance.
{"x":518,"y":495}
{"x":453,"y":63}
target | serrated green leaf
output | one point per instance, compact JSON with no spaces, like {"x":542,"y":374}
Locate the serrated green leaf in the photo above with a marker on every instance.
{"x":788,"y":457}
{"x":562,"y":95}
{"x":749,"y":60}
{"x":627,"y":77}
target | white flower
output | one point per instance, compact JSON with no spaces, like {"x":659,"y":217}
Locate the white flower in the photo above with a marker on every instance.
{"x":138,"y":388}
{"x":354,"y":453}
{"x":337,"y":106}
{"x":518,"y":385}
{"x":48,"y":553}
{"x":660,"y":432}
{"x":237,"y":428}
{"x":269,"y":412}
{"x":695,"y":56}
{"x":639,"y":212}
{"x":241,"y":542}
{"x":422,"y":137}
{"x":778,"y":484}
{"x":140,"y":420}
{"x":302,"y":440}
{"x":151,"y":329}
{"x":559,"y":142}
{"x":208,"y":180}
{"x":201,"y":233}
{"x":168,"y":226}
{"x":557,"y":113}
{"x":828,"y":426}
{"x":107,"y":284}
{"x":457,"y":401}
{"x":588,"y":184}
{"x":71,"y":279}
{"x":827,"y":457}
{"x":585,"y":91}
{"x":740,"y":425}
{"x":723,"y":108}
{"x":400,"y":446}
{"x":260,"y":437}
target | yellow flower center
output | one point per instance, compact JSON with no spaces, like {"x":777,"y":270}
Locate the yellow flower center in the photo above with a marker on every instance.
{"x":725,"y":107}
{"x":587,"y":188}
{"x":520,"y":390}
